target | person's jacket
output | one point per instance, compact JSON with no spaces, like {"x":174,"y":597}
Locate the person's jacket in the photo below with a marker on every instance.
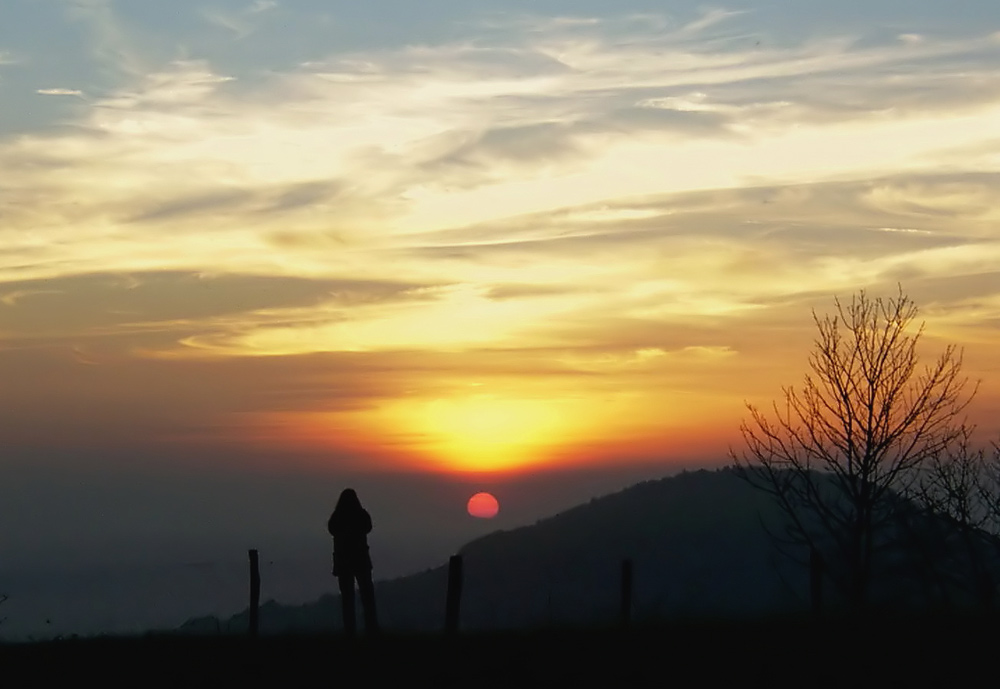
{"x":350,"y":541}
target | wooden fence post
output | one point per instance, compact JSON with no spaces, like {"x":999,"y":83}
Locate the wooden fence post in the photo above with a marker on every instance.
{"x":626,"y":592}
{"x":454,"y":600}
{"x":816,"y":581}
{"x":254,"y":592}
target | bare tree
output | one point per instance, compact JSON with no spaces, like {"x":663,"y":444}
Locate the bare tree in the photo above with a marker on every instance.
{"x":989,"y":488}
{"x":961,"y":488}
{"x":837,"y":453}
{"x":954,"y":484}
{"x":946,"y":528}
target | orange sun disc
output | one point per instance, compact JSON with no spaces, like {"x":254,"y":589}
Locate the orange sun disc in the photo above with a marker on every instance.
{"x":483,"y":506}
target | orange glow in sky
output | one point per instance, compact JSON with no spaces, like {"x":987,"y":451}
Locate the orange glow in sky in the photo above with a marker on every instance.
{"x":590,"y":241}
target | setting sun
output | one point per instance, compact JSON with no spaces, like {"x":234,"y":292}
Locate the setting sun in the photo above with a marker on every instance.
{"x":483,"y":506}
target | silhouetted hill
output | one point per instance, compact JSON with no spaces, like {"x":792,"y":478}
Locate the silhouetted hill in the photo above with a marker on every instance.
{"x":699,"y":549}
{"x":695,"y":539}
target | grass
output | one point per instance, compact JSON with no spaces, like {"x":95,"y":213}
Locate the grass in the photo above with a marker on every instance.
{"x":783,"y":652}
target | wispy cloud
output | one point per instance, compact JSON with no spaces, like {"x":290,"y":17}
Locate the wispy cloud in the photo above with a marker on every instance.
{"x":259,"y":6}
{"x":111,"y":42}
{"x":709,"y":19}
{"x":602,"y":200}
{"x":242,"y":22}
{"x":458,"y":134}
{"x":233,"y":22}
{"x":60,"y":92}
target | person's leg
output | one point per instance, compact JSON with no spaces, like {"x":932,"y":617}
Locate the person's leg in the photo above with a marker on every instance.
{"x":346,"y":582}
{"x":366,"y":588}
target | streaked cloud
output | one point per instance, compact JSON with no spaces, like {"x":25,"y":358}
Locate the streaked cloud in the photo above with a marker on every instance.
{"x":261,"y":6}
{"x":59,"y":92}
{"x":176,"y":302}
{"x":628,"y":207}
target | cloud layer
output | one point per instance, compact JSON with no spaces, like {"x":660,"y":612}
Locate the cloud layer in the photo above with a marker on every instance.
{"x":625,"y":218}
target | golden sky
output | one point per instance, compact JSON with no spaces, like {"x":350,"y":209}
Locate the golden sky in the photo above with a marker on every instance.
{"x":536,"y":241}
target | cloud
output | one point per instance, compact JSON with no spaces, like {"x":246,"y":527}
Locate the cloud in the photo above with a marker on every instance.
{"x":171,"y":306}
{"x":725,"y":255}
{"x":581,"y":169}
{"x":111,"y":40}
{"x":243,"y":22}
{"x":230,"y":21}
{"x":560,"y":144}
{"x":203,"y":204}
{"x":261,"y":6}
{"x":60,"y":92}
{"x":520,"y":291}
{"x":239,"y":202}
{"x":709,"y":19}
{"x":12,"y":297}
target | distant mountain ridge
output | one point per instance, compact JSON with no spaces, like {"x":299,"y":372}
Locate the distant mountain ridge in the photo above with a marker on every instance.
{"x":695,"y":540}
{"x":699,"y":545}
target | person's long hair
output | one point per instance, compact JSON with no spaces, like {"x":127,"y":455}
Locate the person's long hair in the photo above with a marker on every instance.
{"x":347,"y":503}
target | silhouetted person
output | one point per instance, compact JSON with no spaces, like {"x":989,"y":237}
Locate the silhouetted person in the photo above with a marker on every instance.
{"x":350,"y":525}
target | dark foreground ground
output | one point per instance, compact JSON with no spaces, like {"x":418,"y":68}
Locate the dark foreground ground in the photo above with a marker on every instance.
{"x":910,"y":652}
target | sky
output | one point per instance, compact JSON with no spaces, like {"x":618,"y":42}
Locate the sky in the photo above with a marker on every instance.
{"x":255,"y":251}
